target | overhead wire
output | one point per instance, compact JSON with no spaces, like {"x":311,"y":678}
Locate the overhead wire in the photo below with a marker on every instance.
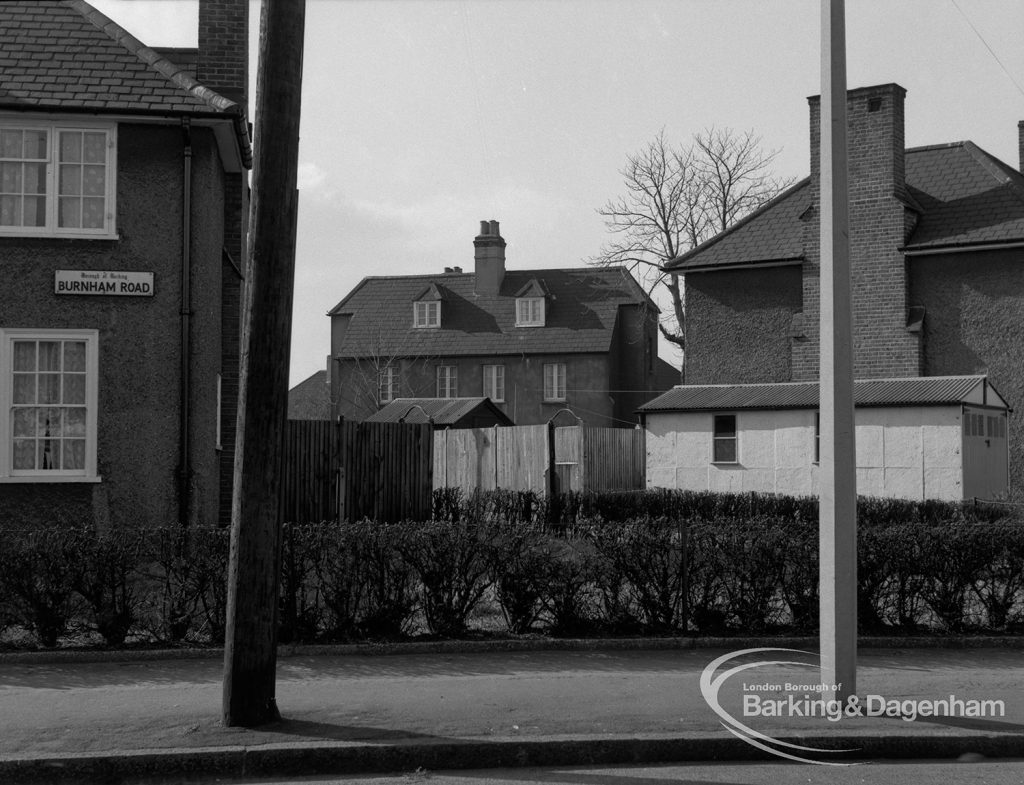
{"x":991,"y":51}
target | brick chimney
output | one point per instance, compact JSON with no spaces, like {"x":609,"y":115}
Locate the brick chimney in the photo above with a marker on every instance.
{"x":223,"y":63}
{"x":879,"y":223}
{"x":1020,"y":145}
{"x":489,"y":257}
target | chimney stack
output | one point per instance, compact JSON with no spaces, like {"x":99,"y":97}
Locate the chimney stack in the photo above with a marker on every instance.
{"x":879,"y":223}
{"x":1020,"y":145}
{"x":489,"y":257}
{"x":223,"y":63}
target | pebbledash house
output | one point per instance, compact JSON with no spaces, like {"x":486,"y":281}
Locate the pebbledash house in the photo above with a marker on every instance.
{"x":123,"y":200}
{"x":937,"y":268}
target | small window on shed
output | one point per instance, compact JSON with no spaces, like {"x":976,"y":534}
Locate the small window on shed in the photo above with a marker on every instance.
{"x":725,"y":439}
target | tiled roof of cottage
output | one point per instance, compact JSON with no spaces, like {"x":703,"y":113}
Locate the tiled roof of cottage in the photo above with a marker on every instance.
{"x":963,"y":196}
{"x":967,"y":196}
{"x":580,"y":314}
{"x":310,"y":399}
{"x":68,"y":56}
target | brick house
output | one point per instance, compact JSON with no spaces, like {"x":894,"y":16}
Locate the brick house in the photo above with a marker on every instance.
{"x":533,"y":341}
{"x":937,"y":260}
{"x":123,"y":200}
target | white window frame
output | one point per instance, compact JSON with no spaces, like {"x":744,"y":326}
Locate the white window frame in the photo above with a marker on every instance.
{"x":53,"y":129}
{"x":716,"y":439}
{"x":387,"y":385}
{"x":448,"y":376}
{"x":530,"y":312}
{"x":426,"y":313}
{"x":494,"y":383}
{"x":555,"y":375}
{"x":7,"y":338}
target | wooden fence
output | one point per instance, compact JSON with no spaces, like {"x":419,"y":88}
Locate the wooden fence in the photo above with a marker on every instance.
{"x":353,"y":470}
{"x":526,"y":457}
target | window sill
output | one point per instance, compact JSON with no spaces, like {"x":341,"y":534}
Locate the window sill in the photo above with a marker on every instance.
{"x":38,"y":479}
{"x":533,"y":324}
{"x":60,"y":235}
{"x":725,"y":463}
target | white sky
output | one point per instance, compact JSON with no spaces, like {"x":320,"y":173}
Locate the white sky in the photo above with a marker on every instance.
{"x":422,"y":117}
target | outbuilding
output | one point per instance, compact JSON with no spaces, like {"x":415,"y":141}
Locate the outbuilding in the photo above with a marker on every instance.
{"x":917,"y":438}
{"x":443,"y":412}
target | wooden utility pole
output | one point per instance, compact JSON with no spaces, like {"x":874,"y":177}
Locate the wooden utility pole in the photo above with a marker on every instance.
{"x":837,"y":526}
{"x":250,"y":646}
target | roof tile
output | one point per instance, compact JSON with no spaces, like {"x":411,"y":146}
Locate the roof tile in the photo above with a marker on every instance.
{"x":61,"y":55}
{"x":966,"y":197}
{"x":580,"y":316}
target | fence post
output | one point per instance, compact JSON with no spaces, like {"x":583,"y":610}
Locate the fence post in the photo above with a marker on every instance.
{"x":552,"y":474}
{"x":341,"y":493}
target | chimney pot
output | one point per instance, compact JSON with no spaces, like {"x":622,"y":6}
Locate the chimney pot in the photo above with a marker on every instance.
{"x":484,"y":228}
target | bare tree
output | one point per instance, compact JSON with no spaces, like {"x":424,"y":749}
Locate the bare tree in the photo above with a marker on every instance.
{"x":676,"y":198}
{"x":364,"y":380}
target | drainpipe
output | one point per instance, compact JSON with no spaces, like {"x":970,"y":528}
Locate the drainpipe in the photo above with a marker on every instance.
{"x":184,"y":466}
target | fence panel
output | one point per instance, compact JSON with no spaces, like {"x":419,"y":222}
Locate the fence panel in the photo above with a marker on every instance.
{"x":518,"y":458}
{"x":381,"y":471}
{"x":523,"y":458}
{"x":309,"y":471}
{"x":466,"y":458}
{"x":613,"y":458}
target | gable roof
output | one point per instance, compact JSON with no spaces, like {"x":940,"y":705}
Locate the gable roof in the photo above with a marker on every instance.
{"x":67,"y":56}
{"x":310,"y":399}
{"x":914,"y":391}
{"x":580,"y":317}
{"x":963,"y":197}
{"x":772,"y":233}
{"x":439,"y":411}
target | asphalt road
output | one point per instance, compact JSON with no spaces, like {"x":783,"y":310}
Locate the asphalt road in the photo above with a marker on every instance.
{"x":968,"y":772}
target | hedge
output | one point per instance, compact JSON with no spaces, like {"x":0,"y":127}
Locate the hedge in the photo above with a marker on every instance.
{"x":655,"y":562}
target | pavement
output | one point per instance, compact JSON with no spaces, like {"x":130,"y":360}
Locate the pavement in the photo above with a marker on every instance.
{"x":131,"y":717}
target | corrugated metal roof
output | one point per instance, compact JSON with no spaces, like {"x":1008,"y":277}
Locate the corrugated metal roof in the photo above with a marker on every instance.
{"x":440,"y":411}
{"x":916,"y":391}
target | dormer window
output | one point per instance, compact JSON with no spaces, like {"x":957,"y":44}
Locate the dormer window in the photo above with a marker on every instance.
{"x":530,"y":312}
{"x":530,"y":304}
{"x":426,"y":308}
{"x":427,"y":314}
